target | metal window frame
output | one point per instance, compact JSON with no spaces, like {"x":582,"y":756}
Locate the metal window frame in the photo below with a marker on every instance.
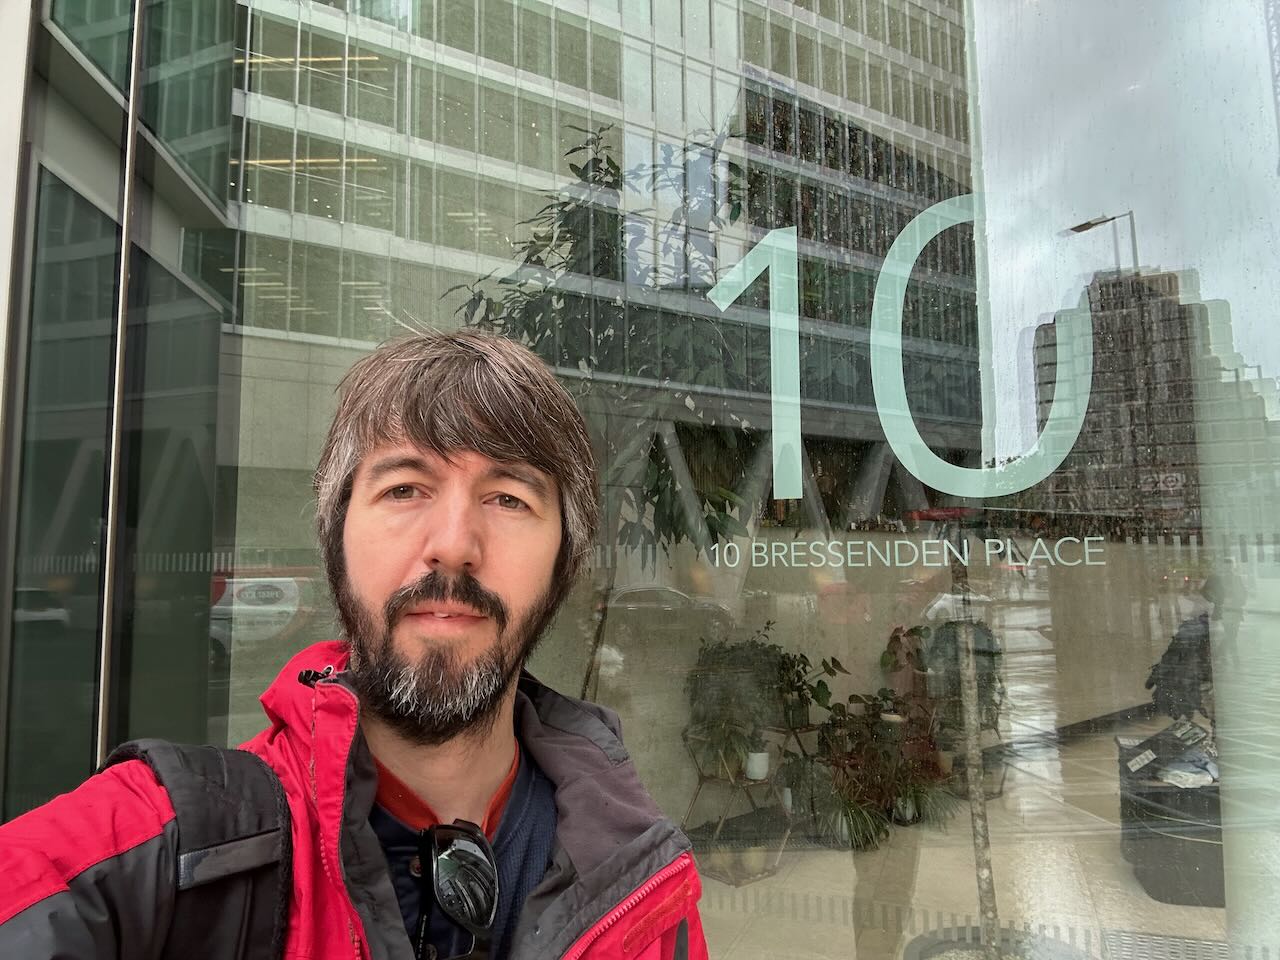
{"x":12,"y":402}
{"x":16,"y":251}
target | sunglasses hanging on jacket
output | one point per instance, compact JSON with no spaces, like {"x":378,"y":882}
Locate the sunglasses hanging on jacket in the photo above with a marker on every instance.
{"x":462,"y":882}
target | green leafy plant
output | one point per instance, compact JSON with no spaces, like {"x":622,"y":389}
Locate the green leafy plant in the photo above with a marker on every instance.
{"x":801,"y":684}
{"x":730,"y":696}
{"x":833,"y":817}
{"x":876,"y":760}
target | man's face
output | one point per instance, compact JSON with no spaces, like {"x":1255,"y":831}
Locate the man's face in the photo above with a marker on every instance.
{"x":447,"y":584}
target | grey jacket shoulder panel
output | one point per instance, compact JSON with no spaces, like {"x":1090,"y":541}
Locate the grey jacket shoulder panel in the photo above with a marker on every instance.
{"x":119,"y":907}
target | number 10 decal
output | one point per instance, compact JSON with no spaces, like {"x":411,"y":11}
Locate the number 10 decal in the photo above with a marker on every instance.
{"x":777,"y":253}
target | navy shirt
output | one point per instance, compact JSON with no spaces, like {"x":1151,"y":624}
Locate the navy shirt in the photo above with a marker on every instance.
{"x":522,"y":848}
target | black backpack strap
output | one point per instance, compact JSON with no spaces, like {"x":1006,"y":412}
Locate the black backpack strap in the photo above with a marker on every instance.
{"x":234,"y":850}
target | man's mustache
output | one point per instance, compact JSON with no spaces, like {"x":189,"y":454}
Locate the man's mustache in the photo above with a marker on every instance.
{"x":464,"y":589}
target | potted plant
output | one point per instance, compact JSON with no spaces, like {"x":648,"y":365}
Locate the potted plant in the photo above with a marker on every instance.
{"x":835,"y":817}
{"x":730,"y":672}
{"x":800,"y":685}
{"x":756,"y":764}
{"x":728,"y":691}
{"x":858,"y":742}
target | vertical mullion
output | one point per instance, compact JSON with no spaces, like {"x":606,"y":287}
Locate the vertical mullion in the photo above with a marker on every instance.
{"x":110,"y":573}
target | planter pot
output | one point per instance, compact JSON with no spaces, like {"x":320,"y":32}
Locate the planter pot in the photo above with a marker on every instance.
{"x":842,"y":832}
{"x":755,"y":860}
{"x":905,"y":811}
{"x":757,"y":766}
{"x":719,"y":860}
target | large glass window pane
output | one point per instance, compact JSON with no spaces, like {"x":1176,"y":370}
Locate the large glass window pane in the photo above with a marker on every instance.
{"x":638,"y":77}
{"x":172,"y":663}
{"x":186,"y":88}
{"x":498,"y":31}
{"x":832,"y":70}
{"x":422,"y":18}
{"x":422,"y":107}
{"x":725,"y":32}
{"x":375,"y":86}
{"x":365,"y":292}
{"x":455,"y":110}
{"x":53,"y":662}
{"x":458,"y":24}
{"x":789,"y":650}
{"x":780,"y":45}
{"x":572,"y":66}
{"x":322,"y":69}
{"x":496,"y":219}
{"x":318,"y":180}
{"x":806,"y":58}
{"x":572,"y":128}
{"x":537,"y":139}
{"x":874,"y":20}
{"x":498,"y":119}
{"x":669,"y":89}
{"x":535,"y":38}
{"x":272,"y":58}
{"x":755,"y":37}
{"x":101,"y":29}
{"x":697,"y":23}
{"x":268,"y":167}
{"x":456,"y":210}
{"x":668,"y":18}
{"x":606,"y":63}
{"x":373,"y":191}
{"x":422,"y":200}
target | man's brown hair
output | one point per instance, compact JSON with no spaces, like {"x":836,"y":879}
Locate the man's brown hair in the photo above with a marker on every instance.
{"x":448,"y":392}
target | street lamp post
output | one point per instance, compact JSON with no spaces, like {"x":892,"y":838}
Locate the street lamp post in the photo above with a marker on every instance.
{"x":1133,"y":235}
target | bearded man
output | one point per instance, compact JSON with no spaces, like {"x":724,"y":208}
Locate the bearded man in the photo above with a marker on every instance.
{"x":437,"y":801}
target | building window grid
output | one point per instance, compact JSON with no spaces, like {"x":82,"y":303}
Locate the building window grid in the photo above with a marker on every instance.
{"x":789,"y":53}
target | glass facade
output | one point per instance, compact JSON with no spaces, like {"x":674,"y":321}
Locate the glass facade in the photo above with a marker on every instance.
{"x":939,"y":558}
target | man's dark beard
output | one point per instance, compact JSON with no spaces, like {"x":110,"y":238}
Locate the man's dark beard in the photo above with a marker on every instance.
{"x":435,"y":698}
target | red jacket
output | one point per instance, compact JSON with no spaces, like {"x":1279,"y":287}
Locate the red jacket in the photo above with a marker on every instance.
{"x":91,"y":873}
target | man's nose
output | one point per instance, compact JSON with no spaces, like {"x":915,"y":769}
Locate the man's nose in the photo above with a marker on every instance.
{"x":453,"y":540}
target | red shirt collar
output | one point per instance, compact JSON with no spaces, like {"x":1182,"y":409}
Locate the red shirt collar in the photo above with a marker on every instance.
{"x":407,"y":807}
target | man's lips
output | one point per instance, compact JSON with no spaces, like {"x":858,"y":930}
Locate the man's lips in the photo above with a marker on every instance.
{"x":462,"y":614}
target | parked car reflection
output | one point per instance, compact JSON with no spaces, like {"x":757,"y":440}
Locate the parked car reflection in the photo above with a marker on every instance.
{"x":35,"y":605}
{"x":652,"y":607}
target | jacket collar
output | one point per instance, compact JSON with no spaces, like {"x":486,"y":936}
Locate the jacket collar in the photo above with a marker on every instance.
{"x":611,"y":834}
{"x":577,"y":744}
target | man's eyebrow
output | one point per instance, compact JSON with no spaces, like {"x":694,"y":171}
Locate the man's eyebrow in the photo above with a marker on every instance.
{"x":526,"y":475}
{"x":394,"y":463}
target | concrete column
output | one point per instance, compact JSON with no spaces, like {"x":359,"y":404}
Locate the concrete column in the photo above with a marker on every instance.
{"x":869,"y":484}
